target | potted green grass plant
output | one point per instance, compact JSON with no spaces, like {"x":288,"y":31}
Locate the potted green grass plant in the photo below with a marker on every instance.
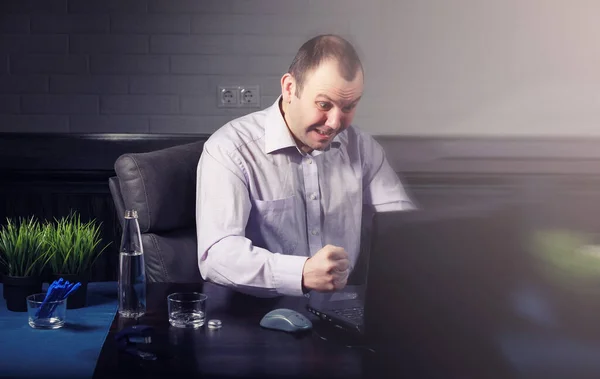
{"x":23,"y":256}
{"x":74,"y":247}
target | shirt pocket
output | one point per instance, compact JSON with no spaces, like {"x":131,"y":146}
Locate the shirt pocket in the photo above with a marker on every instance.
{"x":276,"y":224}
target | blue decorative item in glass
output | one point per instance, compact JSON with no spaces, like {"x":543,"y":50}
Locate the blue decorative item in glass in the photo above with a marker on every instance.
{"x":58,"y":290}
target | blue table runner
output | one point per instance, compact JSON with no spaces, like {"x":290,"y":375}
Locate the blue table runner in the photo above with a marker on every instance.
{"x":69,"y":352}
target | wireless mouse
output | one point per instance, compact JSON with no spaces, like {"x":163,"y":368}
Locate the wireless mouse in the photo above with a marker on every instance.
{"x":286,"y":320}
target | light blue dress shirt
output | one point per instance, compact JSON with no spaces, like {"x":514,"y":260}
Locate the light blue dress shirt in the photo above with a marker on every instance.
{"x":263,"y":207}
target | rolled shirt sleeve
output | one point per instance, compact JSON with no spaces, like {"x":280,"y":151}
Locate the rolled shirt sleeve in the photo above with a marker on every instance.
{"x":382,"y":187}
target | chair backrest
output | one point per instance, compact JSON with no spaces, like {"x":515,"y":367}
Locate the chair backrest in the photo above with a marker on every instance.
{"x":161,"y":186}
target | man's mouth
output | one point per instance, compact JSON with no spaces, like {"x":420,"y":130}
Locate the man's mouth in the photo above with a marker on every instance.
{"x":325,"y":134}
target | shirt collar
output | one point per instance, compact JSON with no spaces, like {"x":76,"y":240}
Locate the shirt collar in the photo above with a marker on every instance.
{"x":278,"y":136}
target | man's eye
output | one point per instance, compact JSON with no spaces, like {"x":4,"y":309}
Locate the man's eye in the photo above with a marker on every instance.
{"x":324,"y":105}
{"x":349,"y":108}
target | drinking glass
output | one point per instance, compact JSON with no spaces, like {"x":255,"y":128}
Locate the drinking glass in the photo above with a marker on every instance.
{"x":49,"y":315}
{"x":187,"y":309}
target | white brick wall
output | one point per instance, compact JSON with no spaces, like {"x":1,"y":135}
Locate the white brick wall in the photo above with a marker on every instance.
{"x":59,"y":104}
{"x":14,"y":23}
{"x":48,"y":64}
{"x":20,"y":84}
{"x":106,"y":6}
{"x":139,"y":104}
{"x":88,"y":84}
{"x":9,"y":104}
{"x":150,"y":23}
{"x":4,"y":58}
{"x":26,"y":43}
{"x":128,"y":64}
{"x":70,"y":24}
{"x":151,"y":65}
{"x":466,"y":67}
{"x":33,"y":6}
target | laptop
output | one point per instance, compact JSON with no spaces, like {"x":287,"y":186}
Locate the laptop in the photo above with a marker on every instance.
{"x":343,"y":309}
{"x":437,"y":282}
{"x":484,"y":292}
{"x":391,"y":231}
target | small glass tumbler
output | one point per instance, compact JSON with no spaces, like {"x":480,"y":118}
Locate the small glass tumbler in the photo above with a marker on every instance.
{"x":187,"y":309}
{"x":49,"y":315}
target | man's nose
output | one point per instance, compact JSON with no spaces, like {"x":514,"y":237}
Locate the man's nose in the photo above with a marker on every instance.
{"x":334,"y":120}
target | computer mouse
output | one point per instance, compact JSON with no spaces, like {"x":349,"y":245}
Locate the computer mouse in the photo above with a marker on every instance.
{"x":286,"y":320}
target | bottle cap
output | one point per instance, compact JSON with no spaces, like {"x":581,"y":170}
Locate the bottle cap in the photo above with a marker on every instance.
{"x":214,"y":324}
{"x":131,"y":213}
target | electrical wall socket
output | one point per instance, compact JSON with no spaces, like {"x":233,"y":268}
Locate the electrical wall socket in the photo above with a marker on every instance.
{"x":228,"y":96}
{"x":249,"y":96}
{"x":238,"y":96}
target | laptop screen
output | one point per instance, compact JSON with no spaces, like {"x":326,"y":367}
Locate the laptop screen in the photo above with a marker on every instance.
{"x":479,"y":293}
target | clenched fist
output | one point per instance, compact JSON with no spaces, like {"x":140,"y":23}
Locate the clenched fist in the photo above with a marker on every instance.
{"x":327,"y":270}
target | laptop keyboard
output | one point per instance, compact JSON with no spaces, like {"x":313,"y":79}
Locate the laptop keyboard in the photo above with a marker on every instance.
{"x":354,"y":314}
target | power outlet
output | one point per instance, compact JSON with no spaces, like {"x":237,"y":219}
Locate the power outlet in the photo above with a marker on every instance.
{"x":249,"y":96}
{"x":228,"y":96}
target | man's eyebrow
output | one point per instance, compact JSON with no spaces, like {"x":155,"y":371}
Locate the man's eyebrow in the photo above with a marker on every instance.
{"x":356,"y":100}
{"x":325,"y":96}
{"x":331,"y":100}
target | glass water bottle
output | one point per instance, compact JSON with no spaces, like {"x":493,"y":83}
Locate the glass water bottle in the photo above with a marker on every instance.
{"x":132,"y":274}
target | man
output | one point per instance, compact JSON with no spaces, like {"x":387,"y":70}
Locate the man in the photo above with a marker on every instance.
{"x":280,"y":191}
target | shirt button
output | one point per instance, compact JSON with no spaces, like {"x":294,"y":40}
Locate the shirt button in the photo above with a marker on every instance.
{"x":313,"y":196}
{"x":314,"y":232}
{"x":309,"y":161}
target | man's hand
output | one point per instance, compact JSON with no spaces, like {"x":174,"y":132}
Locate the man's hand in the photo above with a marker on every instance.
{"x":327,"y":270}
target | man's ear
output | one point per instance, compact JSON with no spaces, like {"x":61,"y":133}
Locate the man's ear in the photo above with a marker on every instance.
{"x":288,"y":86}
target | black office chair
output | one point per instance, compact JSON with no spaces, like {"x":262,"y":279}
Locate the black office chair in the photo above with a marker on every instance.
{"x":161,"y":186}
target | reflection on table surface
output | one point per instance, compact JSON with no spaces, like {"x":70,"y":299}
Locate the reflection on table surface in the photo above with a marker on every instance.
{"x":241,"y":348}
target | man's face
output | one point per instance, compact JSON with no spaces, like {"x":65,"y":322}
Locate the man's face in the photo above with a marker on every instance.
{"x":325,"y":107}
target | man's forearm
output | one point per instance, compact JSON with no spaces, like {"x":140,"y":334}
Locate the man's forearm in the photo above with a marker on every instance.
{"x":235,"y":262}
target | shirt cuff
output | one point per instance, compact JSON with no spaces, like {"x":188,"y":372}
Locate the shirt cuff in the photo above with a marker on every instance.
{"x":402,"y":205}
{"x":287,"y":274}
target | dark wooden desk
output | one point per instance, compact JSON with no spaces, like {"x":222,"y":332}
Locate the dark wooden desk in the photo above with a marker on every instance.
{"x":240,"y":349}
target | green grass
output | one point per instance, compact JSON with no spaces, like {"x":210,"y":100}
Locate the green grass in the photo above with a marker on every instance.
{"x":22,"y":247}
{"x":73,"y":245}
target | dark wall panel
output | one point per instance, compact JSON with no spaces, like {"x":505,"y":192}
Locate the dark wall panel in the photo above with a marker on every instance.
{"x":48,"y":175}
